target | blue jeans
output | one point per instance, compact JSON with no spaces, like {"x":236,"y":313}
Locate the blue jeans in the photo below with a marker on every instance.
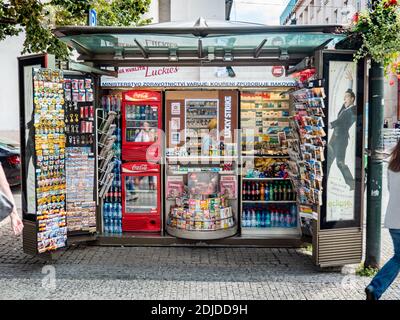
{"x":390,"y":270}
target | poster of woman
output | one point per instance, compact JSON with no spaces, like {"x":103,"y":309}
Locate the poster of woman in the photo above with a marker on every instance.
{"x":342,"y":141}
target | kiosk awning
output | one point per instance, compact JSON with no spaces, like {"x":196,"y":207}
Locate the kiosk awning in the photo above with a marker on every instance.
{"x":200,"y":43}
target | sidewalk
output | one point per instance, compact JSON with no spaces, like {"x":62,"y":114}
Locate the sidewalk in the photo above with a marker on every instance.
{"x":176,"y":273}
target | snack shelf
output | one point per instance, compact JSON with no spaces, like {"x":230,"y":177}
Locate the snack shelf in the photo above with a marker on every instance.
{"x":202,"y":235}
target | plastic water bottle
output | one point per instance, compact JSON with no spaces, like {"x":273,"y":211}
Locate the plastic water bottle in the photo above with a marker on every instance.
{"x":258,"y":219}
{"x":293,"y":212}
{"x":111,"y":226}
{"x":268,"y":219}
{"x":253,"y":222}
{"x":281,"y":220}
{"x":107,"y":225}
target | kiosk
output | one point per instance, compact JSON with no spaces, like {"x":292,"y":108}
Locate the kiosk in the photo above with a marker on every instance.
{"x":139,"y":164}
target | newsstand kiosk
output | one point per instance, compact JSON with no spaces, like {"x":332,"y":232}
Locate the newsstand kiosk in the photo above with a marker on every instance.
{"x":253,"y":165}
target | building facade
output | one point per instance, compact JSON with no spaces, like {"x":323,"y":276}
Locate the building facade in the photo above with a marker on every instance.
{"x":341,"y":12}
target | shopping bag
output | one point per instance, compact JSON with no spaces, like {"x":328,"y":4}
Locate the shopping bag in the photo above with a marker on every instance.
{"x":6,"y":206}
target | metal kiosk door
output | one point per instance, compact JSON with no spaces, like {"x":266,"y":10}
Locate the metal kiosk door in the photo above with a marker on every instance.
{"x":338,"y":231}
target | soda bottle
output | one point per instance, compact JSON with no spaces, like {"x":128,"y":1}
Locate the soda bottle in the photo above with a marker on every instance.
{"x":244,"y":191}
{"x":271,"y":193}
{"x":284,"y":192}
{"x":276,"y":195}
{"x":244,"y":218}
{"x":253,"y":191}
{"x":289,"y":192}
{"x":257,"y":192}
{"x":267,"y":195}
{"x":262,"y":192}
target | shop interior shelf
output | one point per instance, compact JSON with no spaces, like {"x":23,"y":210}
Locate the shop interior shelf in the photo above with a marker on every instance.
{"x":201,"y":158}
{"x":266,"y":179}
{"x":265,"y":156}
{"x":270,"y":232}
{"x":262,"y":109}
{"x":266,"y":101}
{"x":268,"y":202}
{"x":186,"y":172}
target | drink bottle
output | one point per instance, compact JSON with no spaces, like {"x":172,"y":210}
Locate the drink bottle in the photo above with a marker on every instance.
{"x":253,"y":218}
{"x":273,"y":218}
{"x":106,"y":225}
{"x":281,"y":219}
{"x":253,"y":191}
{"x":271,"y":193}
{"x":284,"y":192}
{"x":244,"y":218}
{"x":111,"y":226}
{"x":268,"y":219}
{"x":267,"y":194}
{"x":263,"y":216}
{"x":258,"y":218}
{"x":244,"y":191}
{"x":257,"y":192}
{"x":288,"y":219}
{"x":262,"y":192}
{"x":293,"y":212}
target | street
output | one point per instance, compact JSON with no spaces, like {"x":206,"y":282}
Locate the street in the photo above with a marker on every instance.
{"x":87,"y":272}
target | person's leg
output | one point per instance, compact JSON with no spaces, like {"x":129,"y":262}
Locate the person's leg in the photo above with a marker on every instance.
{"x":385,"y":277}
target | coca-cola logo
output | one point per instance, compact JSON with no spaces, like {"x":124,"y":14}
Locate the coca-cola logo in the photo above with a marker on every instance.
{"x":142,"y":96}
{"x":278,"y":71}
{"x":141,"y":167}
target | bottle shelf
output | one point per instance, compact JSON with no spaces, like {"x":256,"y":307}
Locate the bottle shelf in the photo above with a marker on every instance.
{"x":268,"y":202}
{"x":262,"y":109}
{"x":263,"y":179}
{"x":270,"y":232}
{"x":186,"y":172}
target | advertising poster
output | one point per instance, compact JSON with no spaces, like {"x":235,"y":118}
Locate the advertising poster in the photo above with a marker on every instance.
{"x":341,"y":149}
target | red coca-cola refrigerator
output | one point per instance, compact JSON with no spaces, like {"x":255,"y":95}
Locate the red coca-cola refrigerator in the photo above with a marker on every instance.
{"x":141,"y":125}
{"x":141,"y":196}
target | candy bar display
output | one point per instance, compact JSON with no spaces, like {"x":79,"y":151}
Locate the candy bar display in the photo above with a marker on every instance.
{"x":112,"y":203}
{"x":202,"y":215}
{"x":49,"y":137}
{"x":307,"y":148}
{"x":81,"y":207}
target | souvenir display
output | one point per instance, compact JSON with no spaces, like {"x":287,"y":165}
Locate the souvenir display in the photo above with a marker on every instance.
{"x":48,"y":97}
{"x":81,"y":207}
{"x":306,"y":148}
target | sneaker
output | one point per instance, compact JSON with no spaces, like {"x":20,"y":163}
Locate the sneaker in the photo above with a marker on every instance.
{"x":370,"y":293}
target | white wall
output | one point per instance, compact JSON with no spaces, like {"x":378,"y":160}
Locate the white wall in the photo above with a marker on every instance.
{"x":153,"y":12}
{"x":193,"y":9}
{"x":10,"y":49}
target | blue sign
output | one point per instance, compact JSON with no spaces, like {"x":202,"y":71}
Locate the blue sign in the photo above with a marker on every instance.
{"x":92,"y":18}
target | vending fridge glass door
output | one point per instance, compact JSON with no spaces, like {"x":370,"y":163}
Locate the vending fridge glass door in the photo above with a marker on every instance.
{"x":141,"y":194}
{"x":142,"y":123}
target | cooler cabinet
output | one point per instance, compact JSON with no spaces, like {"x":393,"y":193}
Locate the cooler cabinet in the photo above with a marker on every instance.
{"x":141,"y":198}
{"x":141,"y":124}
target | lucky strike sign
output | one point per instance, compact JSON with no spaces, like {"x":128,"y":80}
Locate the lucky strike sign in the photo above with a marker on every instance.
{"x":150,"y":71}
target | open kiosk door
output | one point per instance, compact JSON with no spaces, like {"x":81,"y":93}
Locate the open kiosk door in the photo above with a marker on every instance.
{"x":337,"y":238}
{"x":49,"y":151}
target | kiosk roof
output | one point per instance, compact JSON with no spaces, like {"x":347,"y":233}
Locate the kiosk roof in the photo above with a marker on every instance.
{"x":199,"y":43}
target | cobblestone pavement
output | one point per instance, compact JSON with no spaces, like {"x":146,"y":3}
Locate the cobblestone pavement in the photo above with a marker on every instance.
{"x":87,"y":272}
